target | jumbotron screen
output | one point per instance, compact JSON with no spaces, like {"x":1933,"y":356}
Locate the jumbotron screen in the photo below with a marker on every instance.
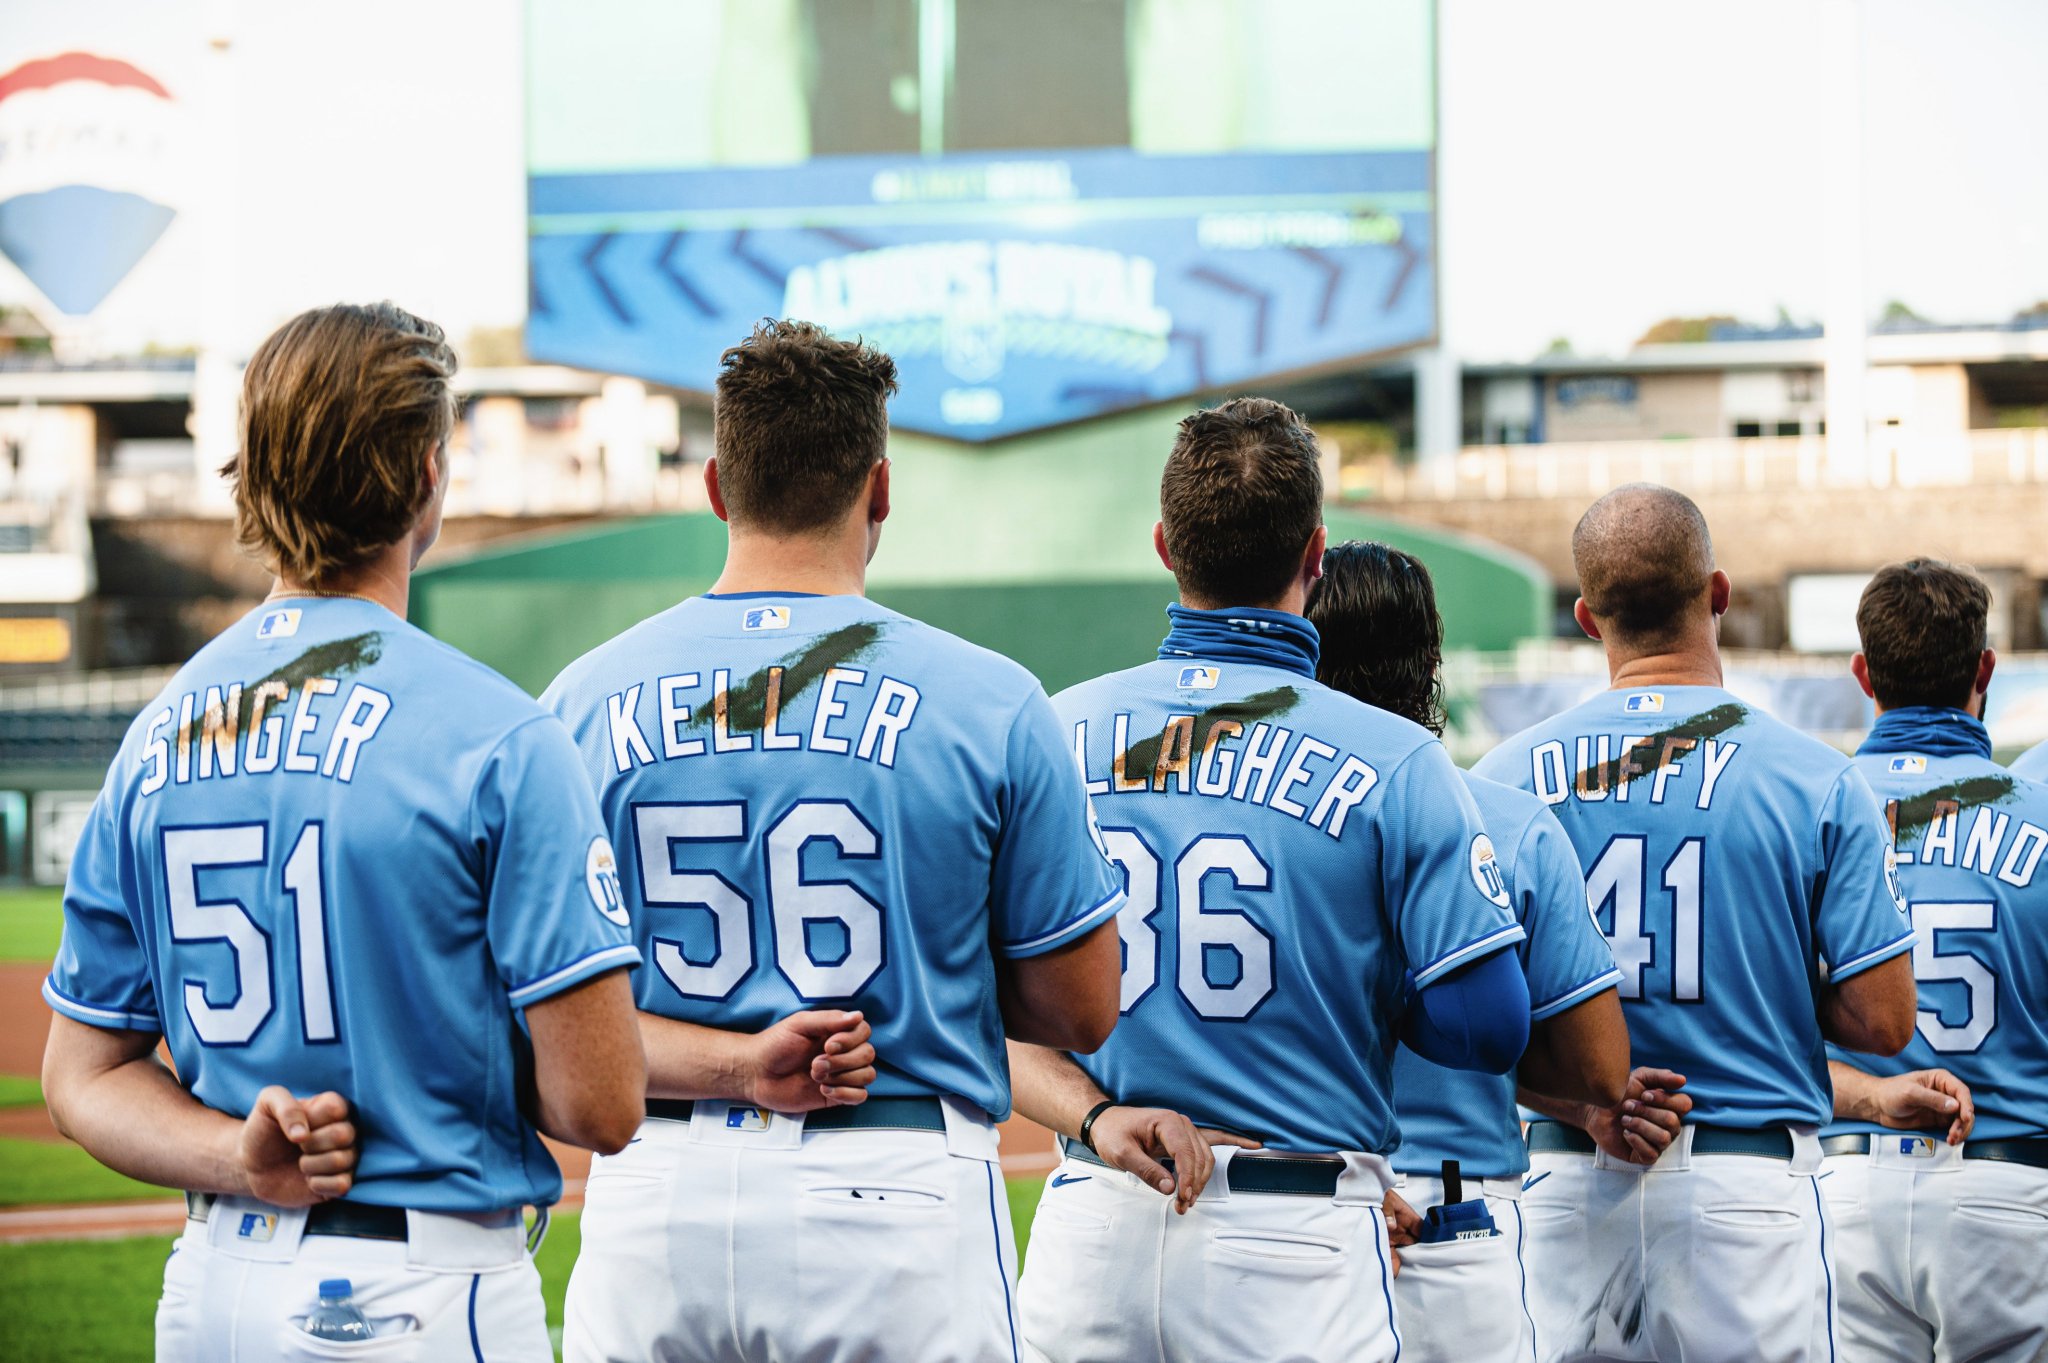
{"x":1044,"y":209}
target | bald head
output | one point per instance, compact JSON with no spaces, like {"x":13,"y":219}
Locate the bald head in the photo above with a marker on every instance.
{"x":1645,"y":563}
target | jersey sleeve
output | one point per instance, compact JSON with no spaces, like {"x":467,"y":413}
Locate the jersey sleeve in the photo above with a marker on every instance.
{"x":101,"y":975}
{"x":2032,"y":764}
{"x":554,"y":911}
{"x":1444,"y":889}
{"x":1859,"y":915}
{"x":1506,"y":764}
{"x":1050,"y":881}
{"x":1568,"y":959}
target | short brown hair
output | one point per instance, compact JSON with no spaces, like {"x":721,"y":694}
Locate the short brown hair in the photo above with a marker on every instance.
{"x":1922,"y":623}
{"x":1242,"y":494}
{"x":1643,"y":555}
{"x":341,"y":408}
{"x":800,"y":418}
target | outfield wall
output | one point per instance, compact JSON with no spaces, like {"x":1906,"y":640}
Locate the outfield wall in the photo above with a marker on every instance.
{"x":1040,"y":548}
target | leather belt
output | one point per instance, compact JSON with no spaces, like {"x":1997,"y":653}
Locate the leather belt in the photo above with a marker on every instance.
{"x":1772,"y":1142}
{"x":2032,"y":1152}
{"x":1306,"y":1176}
{"x":876,"y":1114}
{"x":357,"y":1220}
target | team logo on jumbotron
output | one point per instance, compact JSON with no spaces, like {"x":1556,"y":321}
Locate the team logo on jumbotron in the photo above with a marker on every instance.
{"x":85,"y":171}
{"x":1486,"y":872}
{"x":601,"y":878}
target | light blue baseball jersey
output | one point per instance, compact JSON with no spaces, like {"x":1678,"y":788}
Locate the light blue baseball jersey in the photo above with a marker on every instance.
{"x":1457,"y":1114}
{"x":1726,"y":854}
{"x":822,"y":803}
{"x":1971,"y":837}
{"x":1291,"y":855}
{"x":337,"y":854}
{"x":2033,"y":763}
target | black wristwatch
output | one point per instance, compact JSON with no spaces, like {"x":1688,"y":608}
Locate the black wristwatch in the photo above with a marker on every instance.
{"x":1088,"y":1123}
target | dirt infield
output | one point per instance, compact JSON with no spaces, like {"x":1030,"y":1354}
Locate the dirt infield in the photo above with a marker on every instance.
{"x":24,"y":1018}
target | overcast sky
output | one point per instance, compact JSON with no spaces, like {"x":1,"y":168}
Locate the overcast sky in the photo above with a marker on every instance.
{"x":1605,"y":163}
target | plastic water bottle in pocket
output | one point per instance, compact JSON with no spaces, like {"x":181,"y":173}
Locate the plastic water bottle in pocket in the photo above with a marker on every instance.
{"x":336,"y":1317}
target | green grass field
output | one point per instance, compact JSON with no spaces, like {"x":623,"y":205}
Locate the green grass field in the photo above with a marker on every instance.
{"x":94,"y":1301}
{"x":31,"y":920}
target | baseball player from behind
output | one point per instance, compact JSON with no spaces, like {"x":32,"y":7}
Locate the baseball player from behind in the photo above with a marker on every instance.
{"x":1298,"y":865}
{"x":1461,"y":1158}
{"x":1725,"y":854}
{"x":1942,"y":1232}
{"x":826,"y":804}
{"x":338,"y":856}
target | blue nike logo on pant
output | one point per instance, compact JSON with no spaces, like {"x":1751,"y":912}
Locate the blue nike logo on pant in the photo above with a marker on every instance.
{"x":1529,"y":1183}
{"x":1062,"y":1180}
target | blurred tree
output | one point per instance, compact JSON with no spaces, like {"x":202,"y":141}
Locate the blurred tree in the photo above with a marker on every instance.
{"x":1559,"y":345}
{"x":1897,"y":312}
{"x":1684,"y":330}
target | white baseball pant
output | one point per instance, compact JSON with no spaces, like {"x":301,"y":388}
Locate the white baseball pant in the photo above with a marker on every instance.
{"x":1700,"y":1258}
{"x":1941,"y":1258}
{"x":1113,"y":1275}
{"x":239,"y":1285}
{"x":719,"y":1244}
{"x":1464,"y":1301}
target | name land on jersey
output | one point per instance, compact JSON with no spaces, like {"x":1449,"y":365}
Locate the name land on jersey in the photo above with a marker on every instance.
{"x":1994,"y":844}
{"x":216,"y":736}
{"x":1234,"y":751}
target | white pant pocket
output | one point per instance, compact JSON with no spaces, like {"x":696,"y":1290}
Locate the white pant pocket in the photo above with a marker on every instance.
{"x":1739,"y":1216}
{"x":295,"y":1343}
{"x":1281,"y":1250}
{"x":2012,"y":1215}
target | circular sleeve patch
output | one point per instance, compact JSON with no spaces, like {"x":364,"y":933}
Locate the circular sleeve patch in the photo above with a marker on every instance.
{"x":601,"y":878}
{"x":1486,"y":872}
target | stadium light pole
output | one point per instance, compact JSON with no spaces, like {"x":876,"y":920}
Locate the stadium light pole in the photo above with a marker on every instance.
{"x":217,"y":371}
{"x":1845,"y":349}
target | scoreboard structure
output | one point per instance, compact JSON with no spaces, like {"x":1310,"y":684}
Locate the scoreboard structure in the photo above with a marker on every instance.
{"x":1045,"y":210}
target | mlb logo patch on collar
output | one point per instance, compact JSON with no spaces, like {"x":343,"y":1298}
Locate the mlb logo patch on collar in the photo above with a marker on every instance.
{"x":279,"y":624}
{"x":746,"y":1119}
{"x":1199,"y":678}
{"x":1644,"y":703}
{"x":765,"y":617}
{"x":1907,"y":764}
{"x":257,"y":1227}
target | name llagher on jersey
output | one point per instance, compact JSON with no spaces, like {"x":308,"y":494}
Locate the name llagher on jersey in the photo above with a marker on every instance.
{"x":1994,"y":840}
{"x":261,"y":729}
{"x":1293,"y":773}
{"x":849,"y":717}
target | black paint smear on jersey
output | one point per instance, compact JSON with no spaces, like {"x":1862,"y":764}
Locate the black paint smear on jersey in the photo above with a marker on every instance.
{"x":1916,"y":812}
{"x":746,"y":705}
{"x":1143,"y":756}
{"x":1710,"y":723}
{"x":337,"y":658}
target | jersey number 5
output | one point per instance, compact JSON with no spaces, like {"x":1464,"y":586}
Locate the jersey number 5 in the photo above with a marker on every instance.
{"x":194,"y":919}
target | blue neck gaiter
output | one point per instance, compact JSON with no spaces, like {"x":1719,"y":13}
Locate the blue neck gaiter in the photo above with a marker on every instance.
{"x":1937,"y":730}
{"x":1243,"y":634}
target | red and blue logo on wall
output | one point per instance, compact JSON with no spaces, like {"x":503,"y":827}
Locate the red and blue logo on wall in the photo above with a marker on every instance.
{"x":84,"y":173}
